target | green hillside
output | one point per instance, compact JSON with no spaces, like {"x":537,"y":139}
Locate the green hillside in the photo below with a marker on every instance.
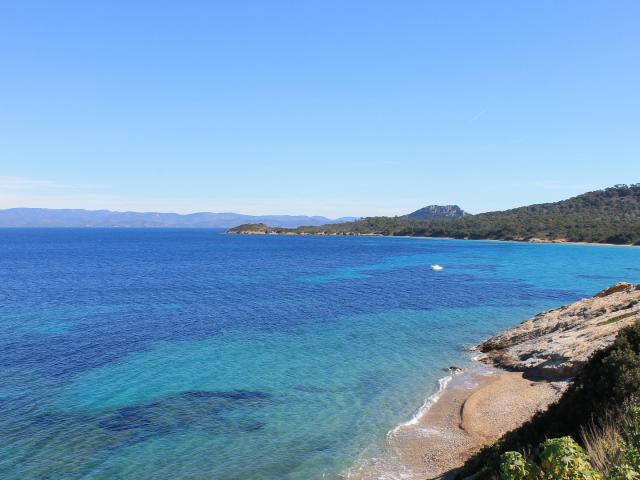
{"x":611,"y":215}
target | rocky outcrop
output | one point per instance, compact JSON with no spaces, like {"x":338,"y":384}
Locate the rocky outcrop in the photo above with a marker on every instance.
{"x":554,"y":344}
{"x":437,"y":212}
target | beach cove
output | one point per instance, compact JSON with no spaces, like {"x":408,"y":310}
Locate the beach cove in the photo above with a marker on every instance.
{"x":474,"y":409}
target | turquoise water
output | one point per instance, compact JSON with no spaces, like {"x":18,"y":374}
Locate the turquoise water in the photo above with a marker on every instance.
{"x":189,"y":354}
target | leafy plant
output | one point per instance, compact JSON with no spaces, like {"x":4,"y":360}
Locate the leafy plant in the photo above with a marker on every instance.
{"x":624,"y":472}
{"x":513,"y":466}
{"x":563,"y":459}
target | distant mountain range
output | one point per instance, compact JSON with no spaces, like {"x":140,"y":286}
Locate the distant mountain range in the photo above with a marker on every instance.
{"x":45,"y":217}
{"x":611,"y":215}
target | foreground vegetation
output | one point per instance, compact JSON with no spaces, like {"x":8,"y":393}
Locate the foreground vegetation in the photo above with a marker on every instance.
{"x":611,"y":215}
{"x":594,"y":427}
{"x":563,"y":458}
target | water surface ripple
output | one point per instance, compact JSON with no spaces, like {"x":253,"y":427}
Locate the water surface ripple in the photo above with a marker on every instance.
{"x":189,"y":354}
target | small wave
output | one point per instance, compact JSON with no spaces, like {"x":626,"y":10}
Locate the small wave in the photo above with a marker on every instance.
{"x":429,"y":402}
{"x":379,"y":469}
{"x":478,"y":357}
{"x":390,"y":466}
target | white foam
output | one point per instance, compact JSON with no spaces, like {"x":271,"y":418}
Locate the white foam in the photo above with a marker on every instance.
{"x":390,"y":465}
{"x":380,"y":469}
{"x":429,"y":402}
{"x":478,"y":356}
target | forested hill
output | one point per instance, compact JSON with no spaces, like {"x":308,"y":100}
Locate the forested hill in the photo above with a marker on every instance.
{"x":611,"y":215}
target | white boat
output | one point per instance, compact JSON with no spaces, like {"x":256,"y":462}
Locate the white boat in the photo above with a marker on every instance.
{"x":437,"y":267}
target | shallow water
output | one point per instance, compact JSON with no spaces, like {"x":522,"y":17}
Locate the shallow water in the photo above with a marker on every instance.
{"x":191,"y":354}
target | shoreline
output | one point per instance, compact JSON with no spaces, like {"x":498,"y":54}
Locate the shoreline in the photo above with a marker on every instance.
{"x":511,"y":380}
{"x":536,"y":240}
{"x":472,"y":408}
{"x":533,"y":240}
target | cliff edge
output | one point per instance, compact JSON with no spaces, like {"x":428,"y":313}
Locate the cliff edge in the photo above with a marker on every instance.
{"x":556,"y":343}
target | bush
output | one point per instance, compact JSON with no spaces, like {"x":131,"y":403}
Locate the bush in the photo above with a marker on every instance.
{"x":513,"y":466}
{"x":624,"y":472}
{"x":613,"y":453}
{"x":563,"y":459}
{"x":559,"y":459}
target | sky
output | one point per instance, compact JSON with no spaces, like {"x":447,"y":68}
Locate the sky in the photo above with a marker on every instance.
{"x":318,"y":107}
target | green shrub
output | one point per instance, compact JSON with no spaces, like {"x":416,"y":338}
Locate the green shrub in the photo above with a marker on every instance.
{"x":513,"y":466}
{"x":563,"y":459}
{"x":624,"y":472}
{"x":630,"y":439}
{"x":560,"y":459}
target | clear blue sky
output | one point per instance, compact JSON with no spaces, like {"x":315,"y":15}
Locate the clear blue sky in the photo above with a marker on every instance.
{"x":316,"y":107}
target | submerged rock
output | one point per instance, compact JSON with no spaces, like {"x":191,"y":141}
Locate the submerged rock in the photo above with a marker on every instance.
{"x":554,"y":344}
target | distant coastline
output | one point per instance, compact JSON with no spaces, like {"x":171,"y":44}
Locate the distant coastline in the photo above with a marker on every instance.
{"x":80,"y":218}
{"x":609,"y":216}
{"x":558,"y":241}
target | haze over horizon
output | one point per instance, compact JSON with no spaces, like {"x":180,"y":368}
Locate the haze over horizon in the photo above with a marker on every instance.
{"x":267,"y":214}
{"x":322,"y":108}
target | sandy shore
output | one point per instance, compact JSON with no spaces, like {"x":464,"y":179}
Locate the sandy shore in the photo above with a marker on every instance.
{"x":529,"y":240}
{"x":475,"y":409}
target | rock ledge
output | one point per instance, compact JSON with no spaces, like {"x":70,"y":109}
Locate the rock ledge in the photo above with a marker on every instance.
{"x":554,"y":344}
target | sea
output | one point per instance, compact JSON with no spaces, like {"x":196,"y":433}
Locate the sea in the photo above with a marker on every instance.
{"x":192,"y":354}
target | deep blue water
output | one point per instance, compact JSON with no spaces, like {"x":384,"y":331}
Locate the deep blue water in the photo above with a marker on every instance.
{"x":189,"y":354}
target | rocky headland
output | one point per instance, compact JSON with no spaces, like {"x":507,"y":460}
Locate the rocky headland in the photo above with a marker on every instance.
{"x":554,"y":344}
